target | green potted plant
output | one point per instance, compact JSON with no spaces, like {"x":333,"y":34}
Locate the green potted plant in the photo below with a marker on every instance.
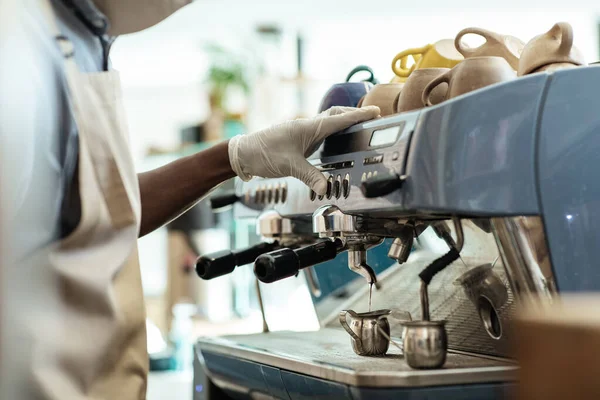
{"x":227,"y":71}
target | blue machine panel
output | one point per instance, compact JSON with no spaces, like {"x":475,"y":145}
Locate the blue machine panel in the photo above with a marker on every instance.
{"x":250,"y":377}
{"x":569,"y":177}
{"x":302,"y":387}
{"x":245,"y":375}
{"x":449,"y":164}
{"x":495,"y":391}
{"x":275,"y":382}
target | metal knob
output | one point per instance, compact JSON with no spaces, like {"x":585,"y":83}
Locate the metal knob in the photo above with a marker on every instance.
{"x":381,"y":186}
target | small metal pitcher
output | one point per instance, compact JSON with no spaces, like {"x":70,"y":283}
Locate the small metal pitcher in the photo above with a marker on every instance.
{"x":370,"y":331}
{"x":426,"y":341}
{"x":425,"y":344}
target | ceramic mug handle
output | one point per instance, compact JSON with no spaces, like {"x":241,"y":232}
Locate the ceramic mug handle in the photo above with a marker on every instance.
{"x":467,"y":51}
{"x":362,"y":68}
{"x":396,"y":103}
{"x":565,"y":30}
{"x":401,"y":70}
{"x":444,"y":78}
{"x":344,"y":323}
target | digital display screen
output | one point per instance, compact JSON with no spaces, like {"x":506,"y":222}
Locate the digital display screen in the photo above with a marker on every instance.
{"x":362,"y":140}
{"x":384,"y":136}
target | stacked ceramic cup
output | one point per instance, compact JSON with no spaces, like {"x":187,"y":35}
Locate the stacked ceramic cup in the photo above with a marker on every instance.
{"x":449,"y":68}
{"x":551,"y":51}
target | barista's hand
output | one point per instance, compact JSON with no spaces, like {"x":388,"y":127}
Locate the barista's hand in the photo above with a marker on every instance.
{"x":282,"y":150}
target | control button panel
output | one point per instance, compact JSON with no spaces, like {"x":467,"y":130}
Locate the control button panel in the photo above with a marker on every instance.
{"x":361,"y":155}
{"x":337,"y":187}
{"x":268,"y":194}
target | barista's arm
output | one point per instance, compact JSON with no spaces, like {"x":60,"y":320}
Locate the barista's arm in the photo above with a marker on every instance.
{"x":170,"y":190}
{"x":275,"y":152}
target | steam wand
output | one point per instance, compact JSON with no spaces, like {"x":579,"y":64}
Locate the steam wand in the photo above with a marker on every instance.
{"x":438,"y":265}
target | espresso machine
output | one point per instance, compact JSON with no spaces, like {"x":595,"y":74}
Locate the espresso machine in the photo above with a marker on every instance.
{"x":504,"y":176}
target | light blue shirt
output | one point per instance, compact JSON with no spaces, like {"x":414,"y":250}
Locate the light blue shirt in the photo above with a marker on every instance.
{"x":38,"y":136}
{"x":38,"y":157}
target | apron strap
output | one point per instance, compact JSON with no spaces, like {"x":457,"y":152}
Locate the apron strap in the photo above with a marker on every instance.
{"x":100,"y":149}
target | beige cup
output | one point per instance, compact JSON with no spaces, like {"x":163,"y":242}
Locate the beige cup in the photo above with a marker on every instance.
{"x":382,"y":96}
{"x":496,"y":45}
{"x":471,"y":74}
{"x":410,"y":98}
{"x":552,"y":47}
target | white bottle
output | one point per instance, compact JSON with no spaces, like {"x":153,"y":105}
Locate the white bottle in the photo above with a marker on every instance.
{"x":182,"y":331}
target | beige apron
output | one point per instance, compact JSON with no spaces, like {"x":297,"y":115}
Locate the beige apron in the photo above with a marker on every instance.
{"x":95,"y":346}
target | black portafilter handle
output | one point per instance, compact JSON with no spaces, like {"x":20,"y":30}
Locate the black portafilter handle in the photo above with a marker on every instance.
{"x":381,"y":186}
{"x":285,"y":263}
{"x":223,"y":200}
{"x":221,"y":263}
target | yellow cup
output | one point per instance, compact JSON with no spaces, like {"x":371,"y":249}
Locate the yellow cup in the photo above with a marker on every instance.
{"x":441,"y":54}
{"x":404,"y":65}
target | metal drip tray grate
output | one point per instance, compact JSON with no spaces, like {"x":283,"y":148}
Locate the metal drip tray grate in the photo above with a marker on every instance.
{"x":327,"y":354}
{"x":466,"y":332}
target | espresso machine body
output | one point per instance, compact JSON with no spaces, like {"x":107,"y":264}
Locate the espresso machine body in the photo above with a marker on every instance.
{"x":515,"y":162}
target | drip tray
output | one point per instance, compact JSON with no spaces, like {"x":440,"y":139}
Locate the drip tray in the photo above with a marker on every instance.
{"x":327,"y":354}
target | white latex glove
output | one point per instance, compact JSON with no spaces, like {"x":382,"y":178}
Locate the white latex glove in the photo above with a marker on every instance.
{"x":281,"y":150}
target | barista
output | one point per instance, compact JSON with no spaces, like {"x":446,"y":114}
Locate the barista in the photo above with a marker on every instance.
{"x":73,"y":320}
